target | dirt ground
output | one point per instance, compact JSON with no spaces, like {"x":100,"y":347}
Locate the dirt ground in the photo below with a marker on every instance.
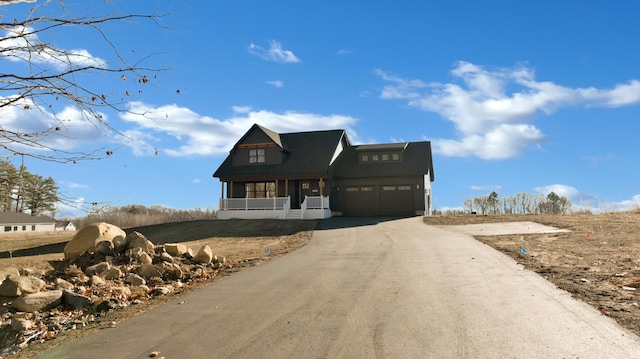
{"x":598,"y":262}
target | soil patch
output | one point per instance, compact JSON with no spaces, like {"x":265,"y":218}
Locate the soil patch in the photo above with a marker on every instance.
{"x":598,"y":261}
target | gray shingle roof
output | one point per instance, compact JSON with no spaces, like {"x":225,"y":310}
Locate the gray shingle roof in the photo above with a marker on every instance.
{"x":416,"y":160}
{"x":310,"y":153}
{"x":22,"y":218}
{"x":307,"y":153}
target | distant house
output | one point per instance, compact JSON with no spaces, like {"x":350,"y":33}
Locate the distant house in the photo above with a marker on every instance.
{"x":319,"y":174}
{"x":11,"y":222}
{"x":65,"y":226}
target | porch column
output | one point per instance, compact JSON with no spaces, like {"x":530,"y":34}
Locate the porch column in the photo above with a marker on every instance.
{"x":222,"y":190}
{"x":286,"y":187}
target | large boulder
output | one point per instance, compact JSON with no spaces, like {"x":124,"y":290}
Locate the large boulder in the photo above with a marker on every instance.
{"x":138,"y":240}
{"x":204,"y":255}
{"x":175,"y":249}
{"x":148,"y":271}
{"x":14,"y":286}
{"x":5,"y":272}
{"x":97,"y":268}
{"x":88,"y":237}
{"x":75,"y":300}
{"x":37,"y":301}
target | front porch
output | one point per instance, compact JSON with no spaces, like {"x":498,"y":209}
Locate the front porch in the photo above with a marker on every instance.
{"x":313,"y":207}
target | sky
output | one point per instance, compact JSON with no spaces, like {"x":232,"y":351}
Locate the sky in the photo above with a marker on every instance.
{"x":514,"y":96}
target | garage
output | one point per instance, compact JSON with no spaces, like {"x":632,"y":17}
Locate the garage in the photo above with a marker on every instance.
{"x":361,"y":201}
{"x":396,"y":201}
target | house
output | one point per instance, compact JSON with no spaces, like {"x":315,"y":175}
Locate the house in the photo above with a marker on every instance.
{"x":65,"y":226}
{"x":319,"y":174}
{"x":11,"y":222}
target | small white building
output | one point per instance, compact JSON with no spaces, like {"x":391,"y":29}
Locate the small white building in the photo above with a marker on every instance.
{"x":11,"y":222}
{"x":65,"y":226}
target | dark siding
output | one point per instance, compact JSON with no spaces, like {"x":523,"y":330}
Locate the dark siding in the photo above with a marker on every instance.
{"x":273,"y":155}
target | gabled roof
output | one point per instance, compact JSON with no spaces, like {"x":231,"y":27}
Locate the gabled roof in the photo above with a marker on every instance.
{"x":307,"y":153}
{"x":310,"y":154}
{"x":416,"y":160}
{"x":274,"y":136}
{"x":22,"y":218}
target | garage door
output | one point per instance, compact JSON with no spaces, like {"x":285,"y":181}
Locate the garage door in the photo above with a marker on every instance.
{"x":360,"y":201}
{"x":396,"y":201}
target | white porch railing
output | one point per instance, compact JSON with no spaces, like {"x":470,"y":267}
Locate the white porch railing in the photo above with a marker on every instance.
{"x":315,"y":202}
{"x":312,"y":207}
{"x":249,"y":204}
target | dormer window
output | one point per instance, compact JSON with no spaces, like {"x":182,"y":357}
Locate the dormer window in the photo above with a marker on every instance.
{"x":256,"y":155}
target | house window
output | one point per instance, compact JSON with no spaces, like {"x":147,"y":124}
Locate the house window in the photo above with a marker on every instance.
{"x":395,"y":157}
{"x":257,"y":155}
{"x":24,"y":228}
{"x":385,"y":157}
{"x":305,"y":185}
{"x":388,"y":188}
{"x":7,"y":228}
{"x":375,"y":158}
{"x":364,"y":158}
{"x":15,"y":228}
{"x":352,"y":189}
{"x":366,"y":189}
{"x":260,"y":189}
{"x":404,"y":188}
{"x":33,"y":228}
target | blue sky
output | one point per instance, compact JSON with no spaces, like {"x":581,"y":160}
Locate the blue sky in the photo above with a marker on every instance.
{"x":514,"y":96}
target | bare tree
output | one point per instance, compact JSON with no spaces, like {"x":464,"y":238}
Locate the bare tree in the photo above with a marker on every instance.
{"x":482,"y":203}
{"x":554,"y":204}
{"x":493,"y":203}
{"x":46,"y":91}
{"x":468,"y":205}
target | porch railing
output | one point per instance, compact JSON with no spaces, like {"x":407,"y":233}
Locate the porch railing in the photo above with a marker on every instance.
{"x":248,"y":204}
{"x":316,"y":202}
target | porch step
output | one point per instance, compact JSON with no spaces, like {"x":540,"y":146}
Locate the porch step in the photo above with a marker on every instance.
{"x":294,"y":214}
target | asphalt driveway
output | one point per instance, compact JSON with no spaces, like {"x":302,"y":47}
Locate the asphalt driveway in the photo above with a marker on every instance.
{"x":371,"y":288}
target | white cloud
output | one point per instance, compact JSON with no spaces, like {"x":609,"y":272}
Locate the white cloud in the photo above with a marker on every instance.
{"x":74,"y":128}
{"x":275,"y":53}
{"x":493,"y":109}
{"x":241,"y":109}
{"x":203,"y":136}
{"x":626,"y":205}
{"x":561,"y":190}
{"x":276,"y":83}
{"x":504,"y":141}
{"x":71,"y":208}
{"x":21,"y":44}
{"x":196,"y":181}
{"x":77,"y":185}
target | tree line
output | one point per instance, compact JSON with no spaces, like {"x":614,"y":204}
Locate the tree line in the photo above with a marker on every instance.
{"x":520,"y":203}
{"x":137,"y":215}
{"x":24,"y":192}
